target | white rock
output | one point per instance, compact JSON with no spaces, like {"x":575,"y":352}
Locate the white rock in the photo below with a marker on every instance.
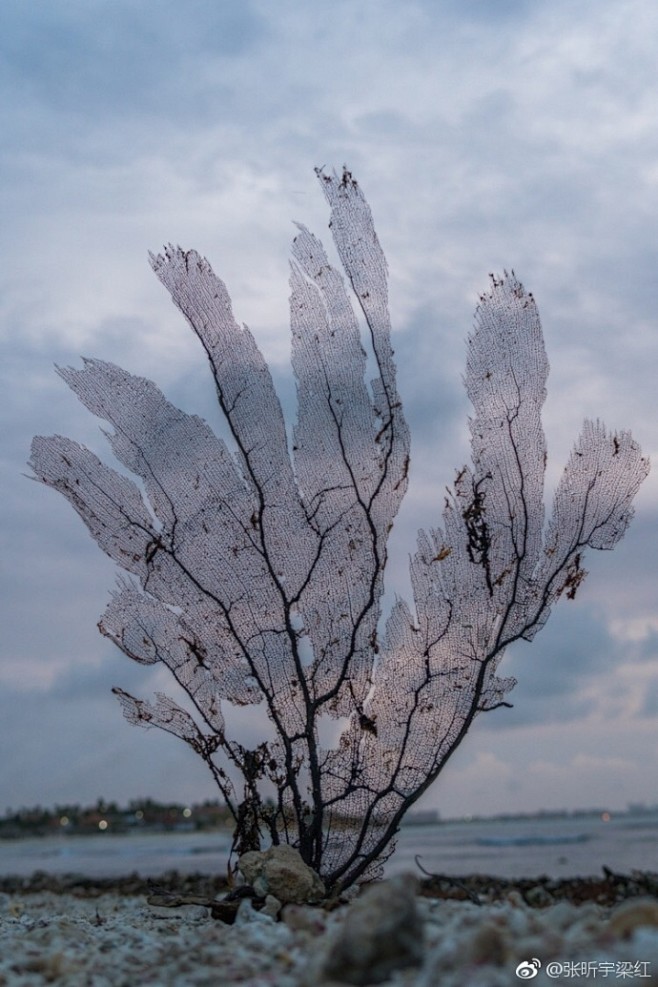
{"x":281,"y":872}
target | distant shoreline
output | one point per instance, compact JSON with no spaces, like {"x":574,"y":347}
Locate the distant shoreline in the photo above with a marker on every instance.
{"x":214,"y":817}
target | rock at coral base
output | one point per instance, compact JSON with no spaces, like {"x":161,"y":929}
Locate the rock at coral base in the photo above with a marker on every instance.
{"x":281,"y":872}
{"x":382,"y":932}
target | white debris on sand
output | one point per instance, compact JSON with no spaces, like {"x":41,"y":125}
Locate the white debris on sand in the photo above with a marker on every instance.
{"x":120,"y":941}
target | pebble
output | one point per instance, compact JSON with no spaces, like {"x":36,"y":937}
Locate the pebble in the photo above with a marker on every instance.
{"x":119,"y":941}
{"x":381,"y":932}
{"x":633,"y":915}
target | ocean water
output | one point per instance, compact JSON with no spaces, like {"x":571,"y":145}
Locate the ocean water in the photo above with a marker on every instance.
{"x":565,"y":847}
{"x":514,"y":848}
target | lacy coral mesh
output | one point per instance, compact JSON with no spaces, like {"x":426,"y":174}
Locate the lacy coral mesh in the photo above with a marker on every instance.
{"x":255,"y":574}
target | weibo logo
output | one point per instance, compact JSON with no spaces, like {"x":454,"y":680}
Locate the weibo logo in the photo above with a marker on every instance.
{"x":528,"y":969}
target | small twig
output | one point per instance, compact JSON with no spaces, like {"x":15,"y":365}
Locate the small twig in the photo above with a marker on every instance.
{"x":448,"y":880}
{"x":224,"y":909}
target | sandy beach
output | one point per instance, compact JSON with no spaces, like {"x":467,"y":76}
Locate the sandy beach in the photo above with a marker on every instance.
{"x":477,"y":931}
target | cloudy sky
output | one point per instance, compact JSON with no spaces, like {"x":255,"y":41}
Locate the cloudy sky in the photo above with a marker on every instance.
{"x":487,"y":135}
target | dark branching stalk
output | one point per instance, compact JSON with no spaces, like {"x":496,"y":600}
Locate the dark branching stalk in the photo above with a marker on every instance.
{"x":242,"y":562}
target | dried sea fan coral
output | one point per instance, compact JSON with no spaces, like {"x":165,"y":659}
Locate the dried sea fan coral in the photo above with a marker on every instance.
{"x":257,"y":572}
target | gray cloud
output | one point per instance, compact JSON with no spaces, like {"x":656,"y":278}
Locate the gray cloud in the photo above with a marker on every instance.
{"x":522,"y":138}
{"x":554,"y":671}
{"x":86,"y":59}
{"x":79,"y":748}
{"x":650,"y":705}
